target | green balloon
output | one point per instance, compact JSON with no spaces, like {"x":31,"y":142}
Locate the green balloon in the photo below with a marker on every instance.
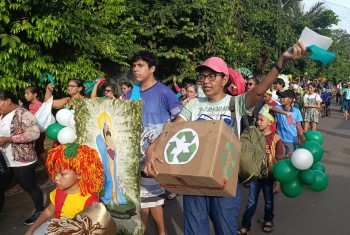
{"x":321,"y":182}
{"x":284,"y":171}
{"x":52,"y":130}
{"x":318,"y":166}
{"x":315,"y":149}
{"x":314,"y":136}
{"x":307,"y":177}
{"x":292,"y":189}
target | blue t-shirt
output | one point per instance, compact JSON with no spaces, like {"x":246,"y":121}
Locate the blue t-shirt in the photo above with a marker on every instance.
{"x":326,"y":96}
{"x":160,"y":104}
{"x":288,"y":132}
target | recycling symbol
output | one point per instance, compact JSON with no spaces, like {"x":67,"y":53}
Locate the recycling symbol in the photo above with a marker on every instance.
{"x":182,"y":147}
{"x":227,"y":160}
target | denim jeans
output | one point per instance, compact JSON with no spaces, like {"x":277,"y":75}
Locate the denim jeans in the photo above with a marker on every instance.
{"x":222,"y":211}
{"x":266,"y":185}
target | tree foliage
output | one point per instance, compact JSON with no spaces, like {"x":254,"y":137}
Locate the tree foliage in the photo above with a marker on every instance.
{"x":76,"y":38}
{"x":65,"y":38}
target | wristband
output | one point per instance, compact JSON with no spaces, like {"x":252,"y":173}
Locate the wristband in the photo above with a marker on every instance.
{"x":279,"y":69}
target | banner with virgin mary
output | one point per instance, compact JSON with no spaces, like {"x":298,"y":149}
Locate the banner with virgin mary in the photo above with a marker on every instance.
{"x":113,"y":128}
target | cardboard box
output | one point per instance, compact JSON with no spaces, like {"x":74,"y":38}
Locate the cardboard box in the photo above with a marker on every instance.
{"x":200,"y":158}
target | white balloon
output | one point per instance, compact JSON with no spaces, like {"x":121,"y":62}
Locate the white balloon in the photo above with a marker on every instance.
{"x":63,"y":115}
{"x":302,"y":159}
{"x":66,"y":135}
{"x":71,"y":122}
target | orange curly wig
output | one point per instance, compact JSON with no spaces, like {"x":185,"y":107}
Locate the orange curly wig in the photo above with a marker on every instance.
{"x":87,"y":163}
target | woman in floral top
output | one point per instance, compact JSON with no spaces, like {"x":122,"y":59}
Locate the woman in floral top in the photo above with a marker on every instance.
{"x":18,"y":132}
{"x":312,"y":104}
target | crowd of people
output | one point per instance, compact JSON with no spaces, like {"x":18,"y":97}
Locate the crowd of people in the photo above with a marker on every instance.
{"x":281,"y":114}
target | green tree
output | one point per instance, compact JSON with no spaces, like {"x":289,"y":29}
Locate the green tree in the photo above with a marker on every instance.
{"x":183,"y":33}
{"x":65,"y":38}
{"x":339,"y":70}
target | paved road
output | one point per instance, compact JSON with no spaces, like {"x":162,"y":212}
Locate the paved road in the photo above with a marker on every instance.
{"x":309,"y":214}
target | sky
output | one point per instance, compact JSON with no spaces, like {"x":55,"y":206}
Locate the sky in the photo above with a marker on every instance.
{"x":340,"y":7}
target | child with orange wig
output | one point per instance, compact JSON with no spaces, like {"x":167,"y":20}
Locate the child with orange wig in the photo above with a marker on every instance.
{"x":78,"y":174}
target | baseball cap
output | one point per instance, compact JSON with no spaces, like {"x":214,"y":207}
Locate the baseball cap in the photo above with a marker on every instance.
{"x":286,"y":93}
{"x":215,"y":63}
{"x":279,"y":81}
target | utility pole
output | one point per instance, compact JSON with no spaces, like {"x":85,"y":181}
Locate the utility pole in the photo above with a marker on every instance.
{"x":279,"y":17}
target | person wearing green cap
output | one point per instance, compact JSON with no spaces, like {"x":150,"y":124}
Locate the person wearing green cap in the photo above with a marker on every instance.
{"x":265,"y":182}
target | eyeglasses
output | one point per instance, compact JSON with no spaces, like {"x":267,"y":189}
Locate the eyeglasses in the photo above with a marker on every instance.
{"x":108,"y":90}
{"x":250,"y":84}
{"x":211,"y":77}
{"x":68,"y":86}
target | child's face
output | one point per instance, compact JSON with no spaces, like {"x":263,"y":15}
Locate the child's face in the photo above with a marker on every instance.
{"x":311,"y":89}
{"x":183,"y":91}
{"x":67,"y":180}
{"x":268,"y":97}
{"x":191,"y":92}
{"x":125,"y":89}
{"x":286,"y":100}
{"x":29,"y":96}
{"x":262,"y":122}
{"x":297,"y":99}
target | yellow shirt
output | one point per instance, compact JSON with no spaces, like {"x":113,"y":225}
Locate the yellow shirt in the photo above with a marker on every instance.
{"x":72,"y":204}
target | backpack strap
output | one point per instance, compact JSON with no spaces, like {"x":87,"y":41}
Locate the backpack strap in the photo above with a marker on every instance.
{"x":234,"y":120}
{"x":232,"y":108}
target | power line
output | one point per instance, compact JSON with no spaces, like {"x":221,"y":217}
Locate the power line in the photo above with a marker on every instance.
{"x":337,"y":5}
{"x":340,"y":11}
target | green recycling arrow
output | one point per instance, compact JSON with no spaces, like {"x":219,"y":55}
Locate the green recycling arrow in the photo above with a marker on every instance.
{"x":171,"y":147}
{"x":228,"y":165}
{"x":188,"y":136}
{"x":183,"y":157}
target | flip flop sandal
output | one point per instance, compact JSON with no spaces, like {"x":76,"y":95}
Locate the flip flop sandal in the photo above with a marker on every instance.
{"x":171,"y":196}
{"x":243,"y":231}
{"x":268,"y":227}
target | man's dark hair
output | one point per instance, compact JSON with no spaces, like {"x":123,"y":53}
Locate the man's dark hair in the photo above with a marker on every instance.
{"x":146,"y":56}
{"x":4,"y":95}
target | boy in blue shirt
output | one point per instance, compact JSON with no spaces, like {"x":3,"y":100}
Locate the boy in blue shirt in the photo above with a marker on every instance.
{"x":288,"y":131}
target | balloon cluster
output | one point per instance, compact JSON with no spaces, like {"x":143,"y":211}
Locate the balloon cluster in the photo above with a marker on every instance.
{"x":63,"y":130}
{"x":303,"y":168}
